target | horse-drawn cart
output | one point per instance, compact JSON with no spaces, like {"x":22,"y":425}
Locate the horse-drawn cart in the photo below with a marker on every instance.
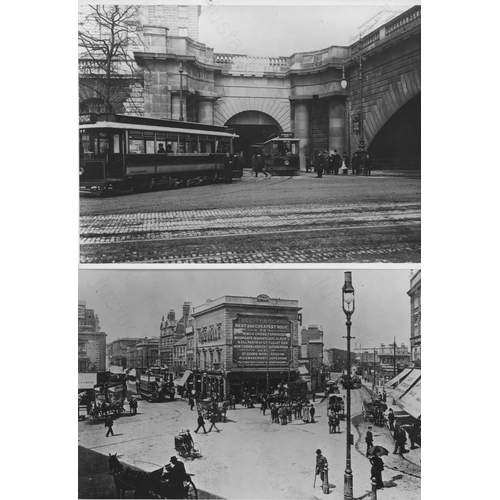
{"x":373,"y":411}
{"x":101,"y":411}
{"x":148,"y":484}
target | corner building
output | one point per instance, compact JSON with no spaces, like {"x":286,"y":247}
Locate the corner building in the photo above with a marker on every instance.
{"x":245,"y":344}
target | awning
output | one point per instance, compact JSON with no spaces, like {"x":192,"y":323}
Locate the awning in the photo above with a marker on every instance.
{"x":115,"y":369}
{"x":87,"y":380}
{"x":398,"y":378}
{"x":183,"y":379}
{"x":406,"y":384}
{"x":410,"y":402}
{"x":303,"y":370}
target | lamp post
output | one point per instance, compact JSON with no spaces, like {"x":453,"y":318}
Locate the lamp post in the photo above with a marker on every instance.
{"x":343,"y":84}
{"x":181,"y":101}
{"x":290,"y":359}
{"x":348,"y":307}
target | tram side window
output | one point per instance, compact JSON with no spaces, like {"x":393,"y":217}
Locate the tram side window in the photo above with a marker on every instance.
{"x":186,"y":145}
{"x":207,"y":146}
{"x":136,"y":143}
{"x":294,"y":148}
{"x":223,"y":146}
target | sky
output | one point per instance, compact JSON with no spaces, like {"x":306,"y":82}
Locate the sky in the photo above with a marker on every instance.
{"x":131,"y":303}
{"x":275,"y":29}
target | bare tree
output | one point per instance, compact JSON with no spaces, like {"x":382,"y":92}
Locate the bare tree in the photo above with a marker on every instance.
{"x":108,"y":72}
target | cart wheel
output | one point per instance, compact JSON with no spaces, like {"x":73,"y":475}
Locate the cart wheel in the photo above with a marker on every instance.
{"x":183,"y":450}
{"x":191,"y":491}
{"x":197,"y":449}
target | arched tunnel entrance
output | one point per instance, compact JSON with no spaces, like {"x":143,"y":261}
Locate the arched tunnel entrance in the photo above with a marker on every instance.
{"x":252,"y":127}
{"x":397,"y":144}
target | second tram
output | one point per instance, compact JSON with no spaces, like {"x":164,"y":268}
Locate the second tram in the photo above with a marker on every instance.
{"x":281,"y":153}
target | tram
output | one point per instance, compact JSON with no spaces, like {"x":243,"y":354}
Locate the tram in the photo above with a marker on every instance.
{"x":281,"y":153}
{"x":126,"y":154}
{"x":154,"y":388}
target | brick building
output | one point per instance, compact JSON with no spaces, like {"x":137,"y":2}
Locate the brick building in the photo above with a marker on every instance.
{"x":117,"y":351}
{"x":171,"y":331}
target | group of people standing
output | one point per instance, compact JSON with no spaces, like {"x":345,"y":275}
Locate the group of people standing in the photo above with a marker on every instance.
{"x":283,"y":413}
{"x":322,"y":162}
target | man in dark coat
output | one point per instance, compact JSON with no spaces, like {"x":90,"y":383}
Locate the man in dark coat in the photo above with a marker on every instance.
{"x":109,"y":424}
{"x":336,"y":160}
{"x":391,"y":418}
{"x":228,"y":168}
{"x":201,"y":423}
{"x":176,"y":475}
{"x":369,"y":439}
{"x":321,"y":464}
{"x":400,"y":438}
{"x":320,"y":161}
{"x":213,"y":421}
{"x":312,"y":412}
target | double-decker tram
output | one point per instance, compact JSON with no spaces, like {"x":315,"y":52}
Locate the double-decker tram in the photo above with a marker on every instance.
{"x":126,"y":154}
{"x":281,"y":153}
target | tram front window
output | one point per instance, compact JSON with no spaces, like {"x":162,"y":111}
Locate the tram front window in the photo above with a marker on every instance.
{"x":93,"y":144}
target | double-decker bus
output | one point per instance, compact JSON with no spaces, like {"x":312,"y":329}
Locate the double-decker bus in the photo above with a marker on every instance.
{"x":125,"y":154}
{"x":154,"y":388}
{"x":281,"y":153}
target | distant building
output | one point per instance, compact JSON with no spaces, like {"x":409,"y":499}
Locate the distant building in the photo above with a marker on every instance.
{"x":311,"y":349}
{"x":385,"y":360}
{"x":415,"y":308}
{"x":118,"y":349}
{"x":336,"y":359}
{"x":180,"y":360}
{"x":91,"y":341}
{"x":171,"y":331}
{"x":144,"y":354}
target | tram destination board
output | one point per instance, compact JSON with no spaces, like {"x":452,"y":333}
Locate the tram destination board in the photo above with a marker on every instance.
{"x":259,"y":341}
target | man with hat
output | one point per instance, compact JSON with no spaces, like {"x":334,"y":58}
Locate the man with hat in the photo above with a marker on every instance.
{"x":176,"y":474}
{"x":321,"y":464}
{"x":369,"y":439}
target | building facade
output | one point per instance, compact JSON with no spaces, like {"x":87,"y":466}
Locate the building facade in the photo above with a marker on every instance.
{"x":245,"y":344}
{"x":171,"y":332}
{"x":144,"y":354}
{"x":117,"y":351}
{"x":259,"y":95}
{"x":385,"y":361}
{"x":416,"y":313}
{"x":91,"y":341}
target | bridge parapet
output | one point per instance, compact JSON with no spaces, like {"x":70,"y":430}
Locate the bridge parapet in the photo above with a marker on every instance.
{"x":394,"y":27}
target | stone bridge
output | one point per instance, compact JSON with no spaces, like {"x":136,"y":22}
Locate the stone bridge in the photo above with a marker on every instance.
{"x":302,"y":93}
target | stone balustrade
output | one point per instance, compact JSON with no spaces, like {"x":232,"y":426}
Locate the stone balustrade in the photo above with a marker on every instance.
{"x":403,"y":20}
{"x":262,"y":63}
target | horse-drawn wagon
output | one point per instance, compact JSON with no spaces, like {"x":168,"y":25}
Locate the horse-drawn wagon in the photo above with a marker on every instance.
{"x":373,"y":411}
{"x":148,"y":484}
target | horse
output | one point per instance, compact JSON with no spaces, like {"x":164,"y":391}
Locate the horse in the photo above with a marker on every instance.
{"x":126,"y":479}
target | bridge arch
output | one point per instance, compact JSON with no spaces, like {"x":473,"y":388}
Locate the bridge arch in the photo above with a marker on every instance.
{"x":252,"y":127}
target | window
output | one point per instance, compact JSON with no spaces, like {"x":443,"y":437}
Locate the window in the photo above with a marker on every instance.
{"x":183,"y":32}
{"x":136,"y":143}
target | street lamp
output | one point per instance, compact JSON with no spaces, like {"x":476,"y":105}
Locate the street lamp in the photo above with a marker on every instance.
{"x":348,"y":307}
{"x":343,"y":84}
{"x":181,"y":101}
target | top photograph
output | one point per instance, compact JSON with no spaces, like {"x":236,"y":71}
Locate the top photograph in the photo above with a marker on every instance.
{"x":224,"y":134}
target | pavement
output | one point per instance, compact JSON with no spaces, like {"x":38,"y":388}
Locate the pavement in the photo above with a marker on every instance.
{"x":280,"y":219}
{"x":251,"y":457}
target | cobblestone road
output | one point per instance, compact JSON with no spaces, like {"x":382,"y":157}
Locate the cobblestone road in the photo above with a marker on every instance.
{"x":274,"y":224}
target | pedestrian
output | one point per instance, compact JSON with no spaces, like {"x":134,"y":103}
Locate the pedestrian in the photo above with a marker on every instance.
{"x":308,"y":164}
{"x":391,"y":419}
{"x":213,"y":421}
{"x":228,"y":167}
{"x":376,"y":470}
{"x":355,"y":164}
{"x":336,"y":160}
{"x":263,"y":407}
{"x":346,"y":161}
{"x":368,"y":164}
{"x":369,"y":439}
{"x":89,"y":407}
{"x":414,"y":433}
{"x":258,"y":163}
{"x":305,"y":414}
{"x":336,"y":423}
{"x":312,"y":412}
{"x":109,"y":424}
{"x":176,"y":475}
{"x":384,"y":396}
{"x":319,"y":165}
{"x":201,"y":423}
{"x":331,"y":420}
{"x":321,"y":464}
{"x":400,"y":439}
{"x":191,"y":402}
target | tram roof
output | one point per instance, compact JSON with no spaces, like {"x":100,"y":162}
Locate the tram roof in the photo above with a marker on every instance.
{"x":154,"y":128}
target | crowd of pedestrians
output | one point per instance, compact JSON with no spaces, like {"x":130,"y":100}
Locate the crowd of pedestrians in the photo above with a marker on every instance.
{"x":322,"y":162}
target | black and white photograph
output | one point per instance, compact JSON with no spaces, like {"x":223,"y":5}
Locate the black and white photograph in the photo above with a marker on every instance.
{"x":216,"y":132}
{"x":249,"y":384}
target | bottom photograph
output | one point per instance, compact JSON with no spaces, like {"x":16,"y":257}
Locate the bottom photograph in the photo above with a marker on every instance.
{"x":249,"y":384}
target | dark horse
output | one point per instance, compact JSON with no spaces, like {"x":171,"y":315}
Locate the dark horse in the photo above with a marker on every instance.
{"x":127,"y":479}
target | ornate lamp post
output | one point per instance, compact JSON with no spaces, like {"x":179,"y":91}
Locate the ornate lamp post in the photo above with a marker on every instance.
{"x":343,"y":84}
{"x":348,"y":307}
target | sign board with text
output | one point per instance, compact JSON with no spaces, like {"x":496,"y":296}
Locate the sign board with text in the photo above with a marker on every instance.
{"x":259,"y":340}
